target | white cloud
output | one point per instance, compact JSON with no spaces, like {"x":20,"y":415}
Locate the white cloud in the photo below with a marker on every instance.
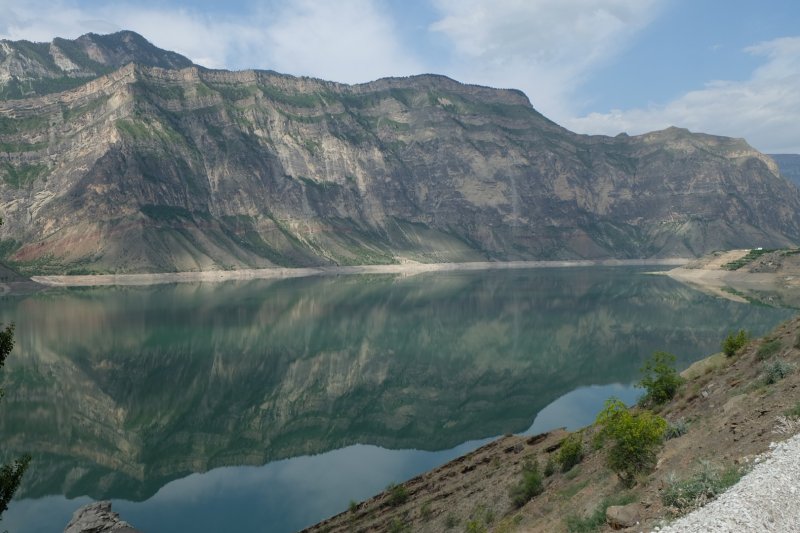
{"x":349,"y":41}
{"x":764,"y":109}
{"x":547,"y":48}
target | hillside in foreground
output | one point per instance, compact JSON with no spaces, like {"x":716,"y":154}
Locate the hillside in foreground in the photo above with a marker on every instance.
{"x":116,"y":156}
{"x":727,"y":412}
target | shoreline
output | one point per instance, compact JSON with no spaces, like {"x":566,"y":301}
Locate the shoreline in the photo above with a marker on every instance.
{"x":214,"y":276}
{"x":715,"y":282}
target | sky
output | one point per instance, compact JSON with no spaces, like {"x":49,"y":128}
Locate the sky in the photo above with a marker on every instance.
{"x":726,"y":67}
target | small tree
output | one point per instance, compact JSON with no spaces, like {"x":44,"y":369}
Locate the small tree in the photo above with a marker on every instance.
{"x":636,"y":438}
{"x":11,"y":473}
{"x":529,"y":486}
{"x":735,"y":342}
{"x":659,"y":379}
{"x":571,"y":452}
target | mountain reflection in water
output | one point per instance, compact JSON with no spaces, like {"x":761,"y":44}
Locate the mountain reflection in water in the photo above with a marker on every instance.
{"x":116,"y":392}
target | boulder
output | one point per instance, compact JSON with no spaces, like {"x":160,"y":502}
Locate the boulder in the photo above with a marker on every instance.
{"x":624,"y":516}
{"x":97,"y":517}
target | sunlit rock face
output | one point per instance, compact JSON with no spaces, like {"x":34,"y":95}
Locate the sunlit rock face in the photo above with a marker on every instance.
{"x":118,"y":157}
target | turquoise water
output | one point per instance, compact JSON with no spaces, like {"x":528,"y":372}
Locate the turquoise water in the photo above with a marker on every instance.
{"x":269,"y":405}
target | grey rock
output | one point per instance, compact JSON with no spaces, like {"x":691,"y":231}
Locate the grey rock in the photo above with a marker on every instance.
{"x":97,"y":517}
{"x":624,"y":516}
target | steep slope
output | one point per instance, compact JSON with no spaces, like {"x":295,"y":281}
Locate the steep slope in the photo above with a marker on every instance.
{"x":148,"y":168}
{"x":789,"y":165}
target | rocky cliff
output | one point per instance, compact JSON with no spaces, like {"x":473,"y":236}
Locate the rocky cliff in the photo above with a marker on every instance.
{"x":789,"y":165}
{"x":150,"y":163}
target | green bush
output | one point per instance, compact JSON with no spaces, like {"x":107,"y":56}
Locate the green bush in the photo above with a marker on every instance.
{"x":768,"y":349}
{"x":571,"y":452}
{"x":703,"y":486}
{"x":398,"y":495}
{"x":474,"y":526}
{"x":776,"y":371}
{"x":398,"y":526}
{"x":636,"y":438}
{"x":735,"y":342}
{"x":529,"y":486}
{"x":676,"y":429}
{"x":425,"y":512}
{"x":794,"y":412}
{"x":659,"y":379}
{"x":549,"y":467}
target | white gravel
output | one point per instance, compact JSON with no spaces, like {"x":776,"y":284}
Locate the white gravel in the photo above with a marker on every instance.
{"x":766,"y":499}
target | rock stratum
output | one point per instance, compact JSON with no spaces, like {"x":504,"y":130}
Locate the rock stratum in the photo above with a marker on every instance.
{"x":116,"y":156}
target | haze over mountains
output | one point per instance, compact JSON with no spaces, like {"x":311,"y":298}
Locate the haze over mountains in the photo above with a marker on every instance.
{"x":117,"y":156}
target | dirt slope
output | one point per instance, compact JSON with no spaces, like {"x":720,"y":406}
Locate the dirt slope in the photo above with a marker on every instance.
{"x":731,"y":412}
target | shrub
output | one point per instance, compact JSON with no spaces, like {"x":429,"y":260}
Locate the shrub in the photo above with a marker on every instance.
{"x":768,"y":349}
{"x":529,"y":486}
{"x":474,"y":526}
{"x":659,"y":379}
{"x":636,"y":438}
{"x":676,"y":429}
{"x":794,"y":412}
{"x":571,"y":452}
{"x":776,"y":371}
{"x":735,"y":342}
{"x":425,"y":512}
{"x":398,"y":495}
{"x":450,"y":521}
{"x":398,"y":526}
{"x":549,"y":467}
{"x":700,"y":488}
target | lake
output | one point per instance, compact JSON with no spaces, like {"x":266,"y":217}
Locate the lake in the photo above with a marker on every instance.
{"x":269,"y":405}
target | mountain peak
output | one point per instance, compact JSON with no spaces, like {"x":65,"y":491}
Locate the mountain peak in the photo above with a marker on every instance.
{"x":30,"y":69}
{"x":117,"y":49}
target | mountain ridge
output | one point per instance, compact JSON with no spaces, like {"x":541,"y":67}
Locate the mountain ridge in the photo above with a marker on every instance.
{"x":146,"y":169}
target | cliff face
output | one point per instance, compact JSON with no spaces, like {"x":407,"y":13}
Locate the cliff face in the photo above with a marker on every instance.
{"x":162,"y":165}
{"x":789,"y":165}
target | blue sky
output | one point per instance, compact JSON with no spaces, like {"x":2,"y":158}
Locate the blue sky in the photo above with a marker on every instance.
{"x":728,"y":67}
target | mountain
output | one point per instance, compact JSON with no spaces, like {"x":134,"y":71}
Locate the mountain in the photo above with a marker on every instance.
{"x":789,"y":165}
{"x":150,"y":163}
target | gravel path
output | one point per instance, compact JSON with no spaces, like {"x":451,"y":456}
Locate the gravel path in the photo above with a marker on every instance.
{"x":766,"y":499}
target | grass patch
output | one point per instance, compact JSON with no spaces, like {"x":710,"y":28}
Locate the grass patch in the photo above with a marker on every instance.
{"x":573,"y":489}
{"x":10,"y":125}
{"x":682,"y":496}
{"x":768,"y":349}
{"x":14,"y":148}
{"x":676,"y":429}
{"x":21,"y":175}
{"x":529,"y":486}
{"x":596,"y":520}
{"x":793,"y":412}
{"x":751,"y":256}
{"x":398,"y":495}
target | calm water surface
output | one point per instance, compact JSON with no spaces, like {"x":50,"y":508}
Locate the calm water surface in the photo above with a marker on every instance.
{"x":269,"y":405}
